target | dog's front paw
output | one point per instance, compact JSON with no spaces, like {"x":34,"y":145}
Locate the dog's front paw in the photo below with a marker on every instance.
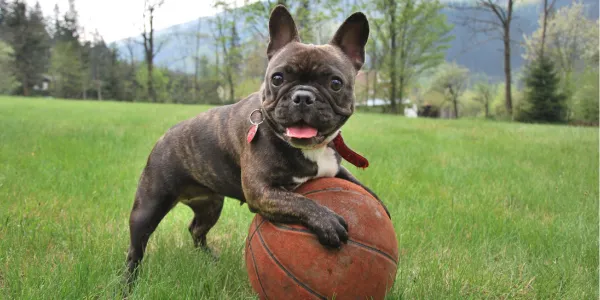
{"x":330,"y":228}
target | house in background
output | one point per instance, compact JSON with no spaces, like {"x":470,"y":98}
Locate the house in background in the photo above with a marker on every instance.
{"x":44,"y":84}
{"x":365,"y":81}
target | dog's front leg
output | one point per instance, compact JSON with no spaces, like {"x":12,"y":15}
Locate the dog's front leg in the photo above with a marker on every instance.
{"x":278,"y":205}
{"x":343,"y":173}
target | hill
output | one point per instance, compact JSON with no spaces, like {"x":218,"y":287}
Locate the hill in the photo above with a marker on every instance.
{"x":466,"y":49}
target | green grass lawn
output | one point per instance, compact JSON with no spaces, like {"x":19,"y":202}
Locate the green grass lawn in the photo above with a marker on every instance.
{"x":481,"y":209}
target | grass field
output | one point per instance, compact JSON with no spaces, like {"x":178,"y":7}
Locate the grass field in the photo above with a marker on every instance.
{"x":481,"y":209}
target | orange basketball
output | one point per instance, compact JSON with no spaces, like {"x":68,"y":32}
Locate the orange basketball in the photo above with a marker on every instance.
{"x":288,"y":262}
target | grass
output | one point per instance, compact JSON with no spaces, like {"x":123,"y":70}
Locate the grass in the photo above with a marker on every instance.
{"x":481,"y":209}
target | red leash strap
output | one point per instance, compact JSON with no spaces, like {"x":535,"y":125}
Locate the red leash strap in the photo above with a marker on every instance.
{"x":347,"y":153}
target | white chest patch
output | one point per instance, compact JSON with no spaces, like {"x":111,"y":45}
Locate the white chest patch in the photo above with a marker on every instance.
{"x":327,"y":165}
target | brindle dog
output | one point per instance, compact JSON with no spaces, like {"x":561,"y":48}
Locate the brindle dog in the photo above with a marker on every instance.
{"x":306,"y":97}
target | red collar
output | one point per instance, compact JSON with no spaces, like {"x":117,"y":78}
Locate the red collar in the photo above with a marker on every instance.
{"x":347,"y":153}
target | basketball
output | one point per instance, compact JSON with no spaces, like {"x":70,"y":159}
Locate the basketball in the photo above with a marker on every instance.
{"x":287,"y":261}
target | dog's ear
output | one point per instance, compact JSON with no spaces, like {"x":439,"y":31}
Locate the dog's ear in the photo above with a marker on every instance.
{"x":282,"y":30}
{"x":352,"y":37}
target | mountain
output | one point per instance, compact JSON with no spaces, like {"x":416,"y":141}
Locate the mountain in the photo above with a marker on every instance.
{"x":467,"y":48}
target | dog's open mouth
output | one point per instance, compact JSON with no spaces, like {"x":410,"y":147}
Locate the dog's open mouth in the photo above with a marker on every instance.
{"x":301,"y":131}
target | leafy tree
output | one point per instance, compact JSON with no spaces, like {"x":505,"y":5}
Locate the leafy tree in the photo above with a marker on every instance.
{"x":70,"y":62}
{"x":489,"y":17}
{"x":413,"y":36}
{"x":542,"y":99}
{"x":225,"y":27}
{"x":484,"y":93}
{"x":3,"y":13}
{"x":7,"y":81}
{"x":65,"y":68}
{"x":311,"y":16}
{"x":159,"y":80}
{"x":586,"y":98}
{"x":571,"y":42}
{"x":25,"y":32}
{"x":451,"y":80}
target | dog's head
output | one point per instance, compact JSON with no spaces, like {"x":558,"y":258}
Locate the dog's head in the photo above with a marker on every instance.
{"x":308,"y":91}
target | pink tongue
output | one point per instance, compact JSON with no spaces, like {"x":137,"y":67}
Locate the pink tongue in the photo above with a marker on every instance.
{"x":301,"y":132}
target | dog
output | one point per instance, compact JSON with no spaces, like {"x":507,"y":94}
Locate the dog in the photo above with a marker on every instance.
{"x":261,"y":148}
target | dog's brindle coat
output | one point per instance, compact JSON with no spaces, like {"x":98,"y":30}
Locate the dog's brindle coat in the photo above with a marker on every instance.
{"x":202,"y":160}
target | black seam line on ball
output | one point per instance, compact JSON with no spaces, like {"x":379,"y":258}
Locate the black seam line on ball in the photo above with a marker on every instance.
{"x":283,"y":227}
{"x":338,"y":189}
{"x":256,"y":270}
{"x":308,"y":289}
{"x":255,"y":229}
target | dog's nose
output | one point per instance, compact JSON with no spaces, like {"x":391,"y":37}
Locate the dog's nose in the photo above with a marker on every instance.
{"x":303,"y":97}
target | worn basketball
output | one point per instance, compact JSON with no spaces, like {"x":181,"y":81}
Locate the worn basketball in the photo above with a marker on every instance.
{"x":288,"y":262}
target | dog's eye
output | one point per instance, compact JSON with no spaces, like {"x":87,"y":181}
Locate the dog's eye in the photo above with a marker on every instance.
{"x":277,"y":79}
{"x":336,"y":84}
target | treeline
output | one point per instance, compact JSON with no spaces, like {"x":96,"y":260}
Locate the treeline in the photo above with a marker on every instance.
{"x":406,"y":58}
{"x":42,"y":56}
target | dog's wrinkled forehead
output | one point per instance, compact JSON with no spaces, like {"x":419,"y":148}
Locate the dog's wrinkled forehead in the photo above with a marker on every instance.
{"x":312,"y":60}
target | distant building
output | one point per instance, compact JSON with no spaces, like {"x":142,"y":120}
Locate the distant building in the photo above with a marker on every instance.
{"x":44,"y":84}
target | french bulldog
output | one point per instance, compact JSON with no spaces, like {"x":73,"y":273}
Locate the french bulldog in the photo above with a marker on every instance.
{"x":261,"y":148}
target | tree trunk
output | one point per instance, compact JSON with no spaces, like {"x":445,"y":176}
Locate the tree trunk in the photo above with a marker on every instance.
{"x":455,"y":105}
{"x":150,"y":81}
{"x":368,"y":73}
{"x":507,"y":71}
{"x":149,"y":50}
{"x":375,"y":67}
{"x":544,"y":28}
{"x":99,"y":90}
{"x":25,"y":88}
{"x":231,"y":87}
{"x":487,"y":110}
{"x":507,"y":68}
{"x":84,"y":89}
{"x":196,"y":64}
{"x":393,"y":54}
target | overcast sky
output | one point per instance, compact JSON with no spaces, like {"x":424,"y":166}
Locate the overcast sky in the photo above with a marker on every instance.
{"x":118,"y":19}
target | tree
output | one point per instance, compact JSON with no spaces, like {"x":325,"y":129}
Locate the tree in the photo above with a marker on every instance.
{"x":542,"y":101}
{"x":7,"y":81}
{"x":25,"y":32}
{"x":65,"y":69}
{"x":484,"y":93}
{"x":101,"y":61}
{"x":451,"y":80}
{"x":70,"y":61}
{"x":228,"y":43}
{"x":545,"y":14}
{"x":3,"y":14}
{"x":311,"y":17}
{"x":494,"y":17}
{"x":150,"y":49}
{"x":586,"y":98}
{"x":413,"y":36}
{"x":160,"y":81}
{"x":198,"y":61}
{"x":571,"y":41}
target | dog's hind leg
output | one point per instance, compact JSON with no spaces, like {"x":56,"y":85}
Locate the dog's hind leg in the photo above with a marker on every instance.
{"x":153,"y":200}
{"x":207,"y":209}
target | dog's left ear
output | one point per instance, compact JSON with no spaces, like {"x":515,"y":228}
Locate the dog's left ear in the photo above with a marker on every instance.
{"x":282,"y":30}
{"x":352,"y":37}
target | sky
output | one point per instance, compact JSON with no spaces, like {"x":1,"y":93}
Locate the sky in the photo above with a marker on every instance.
{"x":119,"y":19}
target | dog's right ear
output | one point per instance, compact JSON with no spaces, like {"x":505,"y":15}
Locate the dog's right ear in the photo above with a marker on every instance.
{"x":282,"y":30}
